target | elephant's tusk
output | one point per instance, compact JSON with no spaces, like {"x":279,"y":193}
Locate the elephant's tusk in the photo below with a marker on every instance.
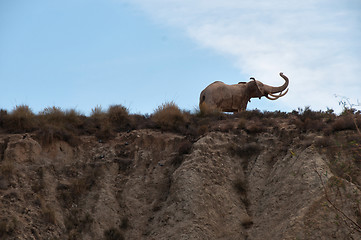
{"x":280,"y":95}
{"x":271,"y":98}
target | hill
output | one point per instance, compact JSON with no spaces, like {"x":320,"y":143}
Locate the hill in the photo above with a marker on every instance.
{"x":178,"y":175}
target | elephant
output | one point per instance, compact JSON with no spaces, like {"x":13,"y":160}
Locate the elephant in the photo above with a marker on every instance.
{"x":234,"y":98}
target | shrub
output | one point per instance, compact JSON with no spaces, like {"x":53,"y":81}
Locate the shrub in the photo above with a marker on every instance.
{"x":3,"y":115}
{"x":48,"y":134}
{"x":98,"y":116}
{"x":118,"y":117}
{"x":105,"y":133}
{"x":313,"y":125}
{"x":254,"y":127}
{"x":345,"y":122}
{"x":100,"y":124}
{"x":20,"y":120}
{"x":323,"y":142}
{"x":168,"y":116}
{"x":141,"y":121}
{"x":69,"y":119}
{"x":52,"y":115}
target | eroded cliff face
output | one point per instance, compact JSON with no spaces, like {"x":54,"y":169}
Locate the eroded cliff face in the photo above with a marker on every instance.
{"x":146,"y":184}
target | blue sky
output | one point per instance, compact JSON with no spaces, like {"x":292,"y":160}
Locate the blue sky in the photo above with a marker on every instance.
{"x":141,"y":53}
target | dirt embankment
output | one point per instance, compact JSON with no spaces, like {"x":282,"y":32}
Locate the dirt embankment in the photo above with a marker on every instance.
{"x":145,"y":184}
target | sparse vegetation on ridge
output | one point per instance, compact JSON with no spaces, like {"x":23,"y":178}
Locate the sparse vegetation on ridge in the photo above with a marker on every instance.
{"x":53,"y":123}
{"x":113,"y":173}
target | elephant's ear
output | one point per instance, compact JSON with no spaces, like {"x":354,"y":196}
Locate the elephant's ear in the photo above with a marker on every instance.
{"x":254,"y":89}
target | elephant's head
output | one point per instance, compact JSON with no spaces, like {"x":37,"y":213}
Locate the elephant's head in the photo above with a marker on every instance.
{"x":255,"y":88}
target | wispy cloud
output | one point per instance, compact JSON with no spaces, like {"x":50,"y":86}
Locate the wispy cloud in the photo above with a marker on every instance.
{"x":315,"y":42}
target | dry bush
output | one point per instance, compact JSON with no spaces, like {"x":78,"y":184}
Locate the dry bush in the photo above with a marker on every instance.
{"x":100,"y":124}
{"x":57,"y":124}
{"x":3,"y":115}
{"x":315,"y":121}
{"x":118,"y":117}
{"x":169,"y":117}
{"x":69,"y":119}
{"x":105,"y":133}
{"x":313,"y":125}
{"x":48,"y":134}
{"x":52,"y":115}
{"x":141,"y":121}
{"x":98,"y":117}
{"x":344,"y":122}
{"x":323,"y":142}
{"x":21,"y":119}
{"x":345,"y":157}
{"x":254,"y":127}
{"x":74,"y":119}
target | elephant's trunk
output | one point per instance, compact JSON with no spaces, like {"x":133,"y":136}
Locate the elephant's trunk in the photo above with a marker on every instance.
{"x":270,"y":89}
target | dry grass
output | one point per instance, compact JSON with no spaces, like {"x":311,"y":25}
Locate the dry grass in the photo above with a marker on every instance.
{"x":118,"y":117}
{"x":56,"y":124}
{"x":48,"y":134}
{"x":98,"y":118}
{"x":68,"y":119}
{"x":344,"y":122}
{"x":169,"y":117}
{"x":3,"y":115}
{"x":21,"y":119}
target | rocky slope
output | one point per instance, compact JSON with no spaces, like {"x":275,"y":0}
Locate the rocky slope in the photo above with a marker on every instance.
{"x":147,"y":184}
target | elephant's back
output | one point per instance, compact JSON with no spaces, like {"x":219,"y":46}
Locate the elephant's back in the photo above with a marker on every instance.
{"x":212,"y":92}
